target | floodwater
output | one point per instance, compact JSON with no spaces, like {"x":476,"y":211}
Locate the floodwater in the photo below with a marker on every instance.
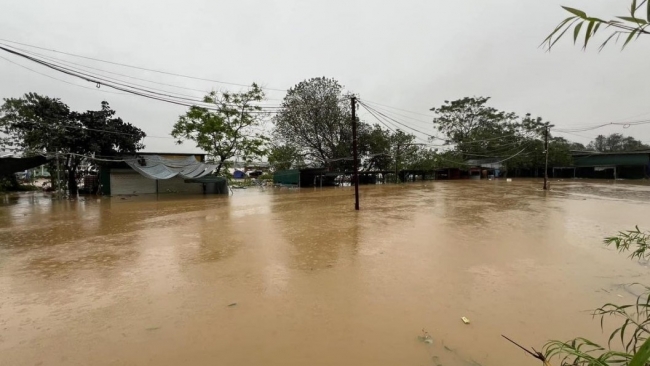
{"x":297,"y":277}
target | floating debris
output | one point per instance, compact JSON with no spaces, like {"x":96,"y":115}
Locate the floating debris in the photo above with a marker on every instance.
{"x":233,"y":304}
{"x":425,"y":337}
{"x":465,"y":320}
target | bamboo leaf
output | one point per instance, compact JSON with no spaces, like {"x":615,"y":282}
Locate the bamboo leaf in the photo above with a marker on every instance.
{"x":607,"y":40}
{"x":550,"y":36}
{"x":634,"y":20}
{"x":648,"y":11}
{"x":629,"y":38}
{"x":633,"y":8}
{"x":596,"y":28}
{"x":561,"y":34}
{"x":642,"y":355}
{"x":577,"y":12}
{"x":576,"y":32}
{"x":590,"y":28}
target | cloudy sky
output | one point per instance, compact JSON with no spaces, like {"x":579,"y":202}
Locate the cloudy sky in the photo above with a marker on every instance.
{"x":408,"y":54}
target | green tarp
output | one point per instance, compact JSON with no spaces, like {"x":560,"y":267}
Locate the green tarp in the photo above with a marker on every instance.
{"x":291,"y":176}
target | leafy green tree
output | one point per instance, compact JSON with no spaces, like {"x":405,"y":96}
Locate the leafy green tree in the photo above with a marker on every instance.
{"x":374,"y":146}
{"x":44,"y":125}
{"x":283,"y":157}
{"x":630,"y":26}
{"x":474,"y":128}
{"x":315,"y":119}
{"x":229,"y":129}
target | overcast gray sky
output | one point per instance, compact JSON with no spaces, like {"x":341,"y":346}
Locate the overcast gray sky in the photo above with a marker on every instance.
{"x":407,"y":54}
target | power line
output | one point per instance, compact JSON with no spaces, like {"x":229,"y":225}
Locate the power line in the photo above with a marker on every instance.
{"x":428,"y":123}
{"x":68,"y":63}
{"x":57,"y":79}
{"x":106,"y":80}
{"x":137,"y":67}
{"x":594,"y":127}
{"x":124,"y":87}
{"x":398,"y":122}
{"x":399,"y":109}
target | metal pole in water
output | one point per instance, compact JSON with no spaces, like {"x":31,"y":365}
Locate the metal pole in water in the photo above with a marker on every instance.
{"x":546,"y":131}
{"x":353,"y":102}
{"x":396,"y":157}
{"x":58,"y":176}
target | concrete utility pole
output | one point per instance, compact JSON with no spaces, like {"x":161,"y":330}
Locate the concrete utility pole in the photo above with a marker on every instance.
{"x":546,"y":132}
{"x":355,"y":156}
{"x":396,"y":157}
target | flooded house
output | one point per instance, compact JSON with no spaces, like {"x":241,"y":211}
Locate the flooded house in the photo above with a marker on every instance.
{"x":307,"y":177}
{"x":153,"y":173}
{"x":608,"y":165}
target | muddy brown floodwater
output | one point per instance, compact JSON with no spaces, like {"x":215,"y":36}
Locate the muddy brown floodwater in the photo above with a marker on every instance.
{"x":297,"y":277}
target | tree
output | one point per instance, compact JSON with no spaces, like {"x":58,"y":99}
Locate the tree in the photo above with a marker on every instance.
{"x":374,"y":147}
{"x":630,"y":26}
{"x":44,"y":125}
{"x":315,"y":119}
{"x":230,"y":129}
{"x":616,"y":142}
{"x":475,"y":128}
{"x":282,"y":157}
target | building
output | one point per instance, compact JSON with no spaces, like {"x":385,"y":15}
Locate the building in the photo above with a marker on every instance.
{"x":308,"y":177}
{"x":152,"y":173}
{"x":609,"y":165}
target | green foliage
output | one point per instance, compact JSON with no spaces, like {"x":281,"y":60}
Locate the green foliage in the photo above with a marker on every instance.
{"x":636,"y":239}
{"x":628,"y":26}
{"x":230,"y":130}
{"x":632,"y":333}
{"x":478,"y":131}
{"x":375,"y":144}
{"x":44,"y":125}
{"x":616,"y":142}
{"x":283,"y":157}
{"x":315,"y":119}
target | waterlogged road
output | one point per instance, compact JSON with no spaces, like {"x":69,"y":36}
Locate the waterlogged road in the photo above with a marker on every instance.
{"x":296,"y":277}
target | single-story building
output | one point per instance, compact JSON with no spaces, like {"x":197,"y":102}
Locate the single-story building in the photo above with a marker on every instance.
{"x":152,"y":173}
{"x":308,"y":177}
{"x":609,"y":165}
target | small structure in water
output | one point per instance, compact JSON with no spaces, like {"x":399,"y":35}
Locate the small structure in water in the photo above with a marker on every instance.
{"x":153,"y":173}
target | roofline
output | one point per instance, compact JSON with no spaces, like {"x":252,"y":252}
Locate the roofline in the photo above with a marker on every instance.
{"x":609,"y":152}
{"x":166,"y":153}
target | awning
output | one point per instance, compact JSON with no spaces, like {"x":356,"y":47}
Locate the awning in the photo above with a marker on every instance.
{"x":157,"y":167}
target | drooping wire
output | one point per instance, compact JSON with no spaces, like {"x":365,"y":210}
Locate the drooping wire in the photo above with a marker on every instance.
{"x":124,"y":87}
{"x":138,"y":67}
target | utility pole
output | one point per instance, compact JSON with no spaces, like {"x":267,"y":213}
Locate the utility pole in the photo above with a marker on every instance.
{"x":396,"y":157}
{"x":355,"y":156}
{"x":58,"y":176}
{"x":546,"y":132}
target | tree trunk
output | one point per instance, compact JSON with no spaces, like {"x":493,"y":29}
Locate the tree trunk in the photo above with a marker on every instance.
{"x":72,"y":181}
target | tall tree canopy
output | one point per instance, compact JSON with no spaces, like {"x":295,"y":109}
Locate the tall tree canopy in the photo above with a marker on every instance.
{"x":44,"y":125}
{"x":475,"y":130}
{"x":315,"y":119}
{"x":230,"y":129}
{"x":616,"y":142}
